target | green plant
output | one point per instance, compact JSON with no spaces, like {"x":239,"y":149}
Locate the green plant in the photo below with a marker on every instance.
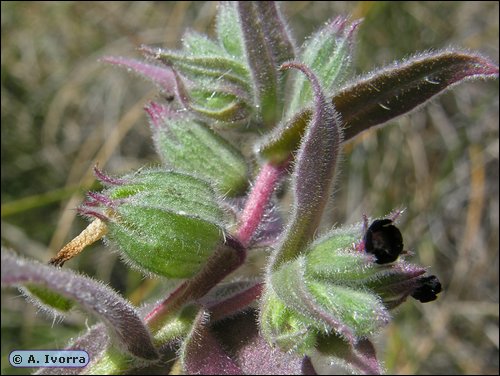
{"x":320,"y":294}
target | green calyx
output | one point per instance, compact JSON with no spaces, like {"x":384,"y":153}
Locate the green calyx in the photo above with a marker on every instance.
{"x":189,"y":146}
{"x":164,"y":222}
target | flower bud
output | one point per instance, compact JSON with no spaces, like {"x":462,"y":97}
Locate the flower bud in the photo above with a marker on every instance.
{"x":187,"y":145}
{"x":328,"y":53}
{"x":164,"y":222}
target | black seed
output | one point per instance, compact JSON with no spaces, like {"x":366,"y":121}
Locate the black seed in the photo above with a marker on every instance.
{"x":384,"y":240}
{"x":427,"y":290}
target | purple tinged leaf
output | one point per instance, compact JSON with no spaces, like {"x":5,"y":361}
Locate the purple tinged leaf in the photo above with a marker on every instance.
{"x":202,"y":354}
{"x":160,"y":76}
{"x":94,"y":342}
{"x":251,"y":351}
{"x":403,"y":86}
{"x":313,"y":174}
{"x":118,"y":315}
{"x":276,"y":32}
{"x":260,"y":58}
{"x":384,"y":95}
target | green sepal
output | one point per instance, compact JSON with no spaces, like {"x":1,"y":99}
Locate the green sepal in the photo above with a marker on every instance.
{"x":164,"y":222}
{"x":169,"y":190}
{"x":334,"y":257}
{"x":348,"y":311}
{"x":218,"y":104}
{"x":361,"y":310}
{"x":229,"y":30}
{"x":164,"y":242}
{"x":212,"y":66}
{"x":187,"y":145}
{"x":198,"y":44}
{"x":285,"y":327}
{"x":328,"y":54}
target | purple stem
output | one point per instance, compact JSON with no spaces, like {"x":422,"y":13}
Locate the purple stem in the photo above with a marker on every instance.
{"x":258,"y":199}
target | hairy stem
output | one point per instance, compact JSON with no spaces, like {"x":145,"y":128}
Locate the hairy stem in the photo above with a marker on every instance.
{"x":226,"y":258}
{"x":230,"y":255}
{"x":258,"y":199}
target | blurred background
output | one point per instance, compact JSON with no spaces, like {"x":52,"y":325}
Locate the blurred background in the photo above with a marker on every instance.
{"x":63,"y":112}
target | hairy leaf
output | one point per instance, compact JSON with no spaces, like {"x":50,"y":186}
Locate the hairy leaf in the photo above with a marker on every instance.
{"x":94,"y":341}
{"x":163,"y":77}
{"x":120,"y":317}
{"x":258,"y":49}
{"x":313,"y":174}
{"x":384,"y":95}
{"x":399,"y":88}
{"x":329,"y":54}
{"x":203,"y":354}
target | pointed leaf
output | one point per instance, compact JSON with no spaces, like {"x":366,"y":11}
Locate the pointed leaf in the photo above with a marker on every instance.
{"x":329,"y":54}
{"x":160,"y":76}
{"x":277,"y":34}
{"x":258,"y":50}
{"x":365,"y":104}
{"x":397,"y":89}
{"x":313,"y":174}
{"x":119,"y":316}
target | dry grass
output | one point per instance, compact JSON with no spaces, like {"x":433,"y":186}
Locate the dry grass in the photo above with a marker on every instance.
{"x":63,"y":112}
